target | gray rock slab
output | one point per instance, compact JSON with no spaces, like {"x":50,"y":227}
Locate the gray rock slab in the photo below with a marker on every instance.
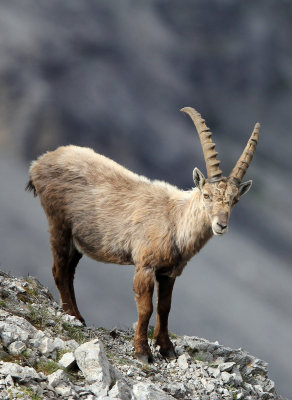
{"x":226,"y":377}
{"x":99,"y":390}
{"x":92,"y":361}
{"x":48,"y":345}
{"x":16,"y":348}
{"x":121,"y":390}
{"x":67,"y":361}
{"x":227,"y":366}
{"x":64,"y":390}
{"x":146,"y":391}
{"x":13,"y":330}
{"x":57,"y":378}
{"x":24,"y":374}
{"x":183,"y":361}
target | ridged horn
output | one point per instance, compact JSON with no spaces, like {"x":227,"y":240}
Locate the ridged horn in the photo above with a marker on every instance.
{"x":210,"y":155}
{"x":244,"y":161}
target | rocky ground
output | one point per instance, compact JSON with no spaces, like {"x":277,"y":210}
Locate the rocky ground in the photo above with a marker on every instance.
{"x":47,"y":354}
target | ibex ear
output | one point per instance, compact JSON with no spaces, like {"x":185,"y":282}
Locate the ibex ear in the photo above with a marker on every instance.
{"x":199,"y":178}
{"x":244,"y":187}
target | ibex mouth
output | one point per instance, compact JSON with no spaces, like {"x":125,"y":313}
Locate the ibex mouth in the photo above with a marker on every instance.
{"x":219,"y":232}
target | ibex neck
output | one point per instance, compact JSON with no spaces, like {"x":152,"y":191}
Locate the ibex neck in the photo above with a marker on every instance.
{"x":194,"y":228}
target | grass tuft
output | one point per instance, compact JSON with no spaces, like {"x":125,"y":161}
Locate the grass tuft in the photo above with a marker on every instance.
{"x":75,"y":332}
{"x":3,"y":304}
{"x":47,"y":367}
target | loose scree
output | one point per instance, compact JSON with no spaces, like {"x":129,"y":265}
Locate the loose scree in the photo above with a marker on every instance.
{"x":96,"y":207}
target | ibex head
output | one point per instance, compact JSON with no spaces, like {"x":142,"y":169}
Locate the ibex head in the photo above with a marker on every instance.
{"x":219,"y":194}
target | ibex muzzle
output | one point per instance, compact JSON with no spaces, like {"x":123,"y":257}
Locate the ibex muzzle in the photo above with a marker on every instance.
{"x":220,"y":223}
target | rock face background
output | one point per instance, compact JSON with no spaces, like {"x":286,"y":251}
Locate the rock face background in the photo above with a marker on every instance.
{"x":113,"y":76}
{"x":45,"y":354}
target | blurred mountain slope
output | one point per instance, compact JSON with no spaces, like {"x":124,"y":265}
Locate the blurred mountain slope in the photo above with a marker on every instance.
{"x":113,"y":75}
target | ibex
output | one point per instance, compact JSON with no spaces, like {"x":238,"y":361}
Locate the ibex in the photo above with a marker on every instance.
{"x":96,"y":207}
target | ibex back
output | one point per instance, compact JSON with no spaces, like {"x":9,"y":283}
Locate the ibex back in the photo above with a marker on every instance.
{"x":96,"y":207}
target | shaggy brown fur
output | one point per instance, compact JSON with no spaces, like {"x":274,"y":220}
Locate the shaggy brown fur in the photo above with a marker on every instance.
{"x":96,"y":207}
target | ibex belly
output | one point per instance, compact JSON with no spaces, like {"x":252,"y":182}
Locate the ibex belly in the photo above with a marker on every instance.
{"x":98,"y":253}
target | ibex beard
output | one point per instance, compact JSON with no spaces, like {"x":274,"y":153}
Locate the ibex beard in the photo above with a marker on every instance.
{"x":96,"y":207}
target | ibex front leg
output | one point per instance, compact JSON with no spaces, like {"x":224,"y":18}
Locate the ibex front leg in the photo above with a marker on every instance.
{"x":143,"y":289}
{"x":164,"y":293}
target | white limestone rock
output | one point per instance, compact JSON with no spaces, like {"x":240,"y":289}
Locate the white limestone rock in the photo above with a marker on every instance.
{"x":15,"y":329}
{"x":67,"y":361}
{"x":57,"y":378}
{"x":49,"y":345}
{"x":121,"y":390}
{"x":71,"y":345}
{"x":23,"y":374}
{"x":99,"y":390}
{"x":227,"y":366}
{"x":183,"y":361}
{"x":92,"y":361}
{"x":270,"y":386}
{"x":146,"y":391}
{"x":64,"y":390}
{"x":237,"y":377}
{"x":70,"y":319}
{"x":226,"y":377}
{"x":16,"y":348}
{"x":3,"y":314}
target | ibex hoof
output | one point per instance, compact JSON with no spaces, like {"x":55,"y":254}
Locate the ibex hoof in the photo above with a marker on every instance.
{"x":145,"y":358}
{"x":82,"y":320}
{"x":168,"y":353}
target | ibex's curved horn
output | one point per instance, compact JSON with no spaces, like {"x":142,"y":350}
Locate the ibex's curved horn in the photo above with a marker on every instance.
{"x":212,"y":164}
{"x":243,"y":163}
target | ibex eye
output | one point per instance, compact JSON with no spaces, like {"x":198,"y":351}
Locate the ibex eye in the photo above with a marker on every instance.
{"x":206,"y":196}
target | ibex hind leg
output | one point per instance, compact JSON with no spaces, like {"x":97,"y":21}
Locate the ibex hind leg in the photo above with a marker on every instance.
{"x":66,"y":258}
{"x":74,"y":259}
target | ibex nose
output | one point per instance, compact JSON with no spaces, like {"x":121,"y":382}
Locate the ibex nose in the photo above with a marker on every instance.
{"x":222,"y":226}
